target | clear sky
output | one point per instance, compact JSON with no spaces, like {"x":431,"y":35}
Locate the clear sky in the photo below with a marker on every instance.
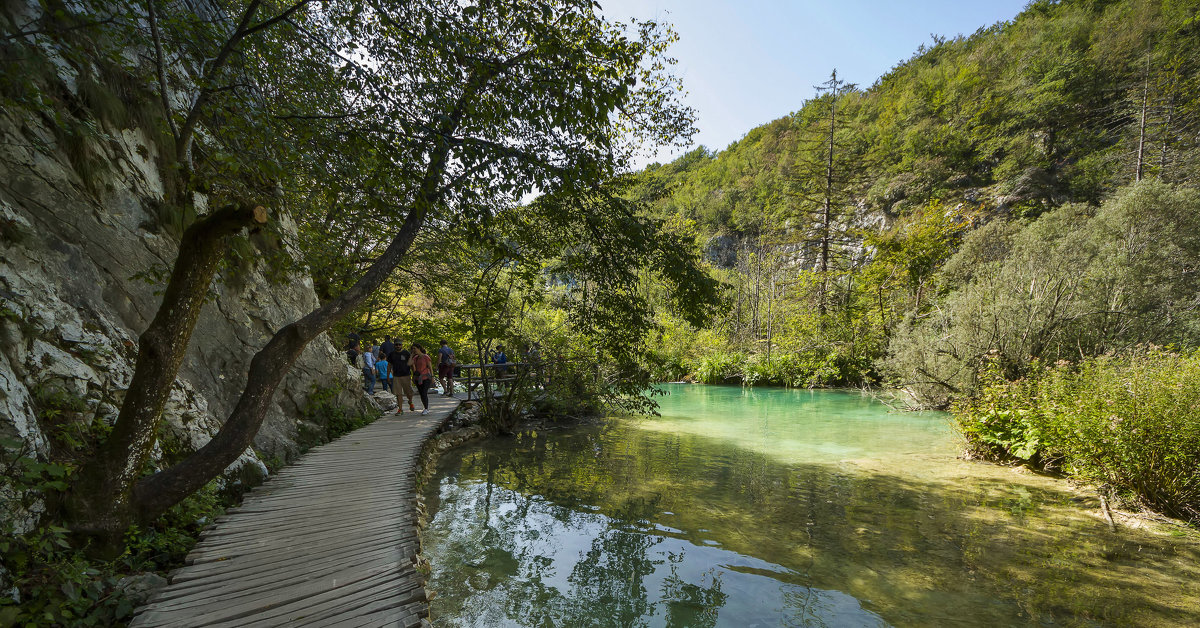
{"x":745,"y":63}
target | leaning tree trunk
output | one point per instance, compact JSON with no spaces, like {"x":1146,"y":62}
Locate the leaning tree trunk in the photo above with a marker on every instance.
{"x":153,"y":495}
{"x":99,"y":503}
{"x":108,"y":496}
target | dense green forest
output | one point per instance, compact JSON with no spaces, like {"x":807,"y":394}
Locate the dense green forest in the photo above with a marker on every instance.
{"x":1025,"y":192}
{"x":1007,"y":223}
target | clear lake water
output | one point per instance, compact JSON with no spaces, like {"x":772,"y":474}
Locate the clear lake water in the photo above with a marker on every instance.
{"x":771,"y":507}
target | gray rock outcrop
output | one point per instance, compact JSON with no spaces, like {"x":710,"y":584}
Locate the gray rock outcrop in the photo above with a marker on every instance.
{"x":83,"y":259}
{"x":721,"y":251}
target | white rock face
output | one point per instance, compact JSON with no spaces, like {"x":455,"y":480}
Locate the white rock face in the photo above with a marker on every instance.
{"x":81,"y":268}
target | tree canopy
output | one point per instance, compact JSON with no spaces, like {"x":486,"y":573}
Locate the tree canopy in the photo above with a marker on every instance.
{"x":367,"y":123}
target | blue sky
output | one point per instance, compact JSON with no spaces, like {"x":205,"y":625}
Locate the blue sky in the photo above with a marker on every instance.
{"x":745,"y":63}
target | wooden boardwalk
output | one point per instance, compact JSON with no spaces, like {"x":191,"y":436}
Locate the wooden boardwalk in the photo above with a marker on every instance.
{"x":328,"y":541}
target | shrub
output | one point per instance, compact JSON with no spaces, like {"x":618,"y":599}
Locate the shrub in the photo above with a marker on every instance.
{"x":1076,"y":281}
{"x":323,"y":409}
{"x":1131,"y":423}
{"x":50,"y":581}
{"x":999,"y":422}
{"x":720,"y":368}
{"x":821,"y":365}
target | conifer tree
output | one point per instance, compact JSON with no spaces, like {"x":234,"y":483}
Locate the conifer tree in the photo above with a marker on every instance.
{"x":826,"y":180}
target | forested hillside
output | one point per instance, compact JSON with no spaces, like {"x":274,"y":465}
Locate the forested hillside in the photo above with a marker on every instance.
{"x":1023,"y":192}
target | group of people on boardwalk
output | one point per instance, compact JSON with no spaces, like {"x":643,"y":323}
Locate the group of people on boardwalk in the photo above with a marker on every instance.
{"x":399,"y":370}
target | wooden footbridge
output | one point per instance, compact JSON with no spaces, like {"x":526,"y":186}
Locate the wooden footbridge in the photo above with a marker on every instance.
{"x":328,"y":541}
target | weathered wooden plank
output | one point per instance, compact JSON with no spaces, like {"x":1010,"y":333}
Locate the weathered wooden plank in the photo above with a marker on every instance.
{"x":380,"y":612}
{"x":247,"y":589}
{"x":251,"y":558}
{"x":271,"y":564}
{"x":382,"y":598}
{"x":312,"y":519}
{"x":270,"y":602}
{"x":327,"y":541}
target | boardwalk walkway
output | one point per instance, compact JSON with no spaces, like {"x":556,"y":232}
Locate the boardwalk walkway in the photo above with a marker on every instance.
{"x":328,"y":541}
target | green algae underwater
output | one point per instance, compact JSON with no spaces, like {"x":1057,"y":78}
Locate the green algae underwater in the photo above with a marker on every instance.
{"x":769,"y":507}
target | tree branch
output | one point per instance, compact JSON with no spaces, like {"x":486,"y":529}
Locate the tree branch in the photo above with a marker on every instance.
{"x":161,"y":71}
{"x":243,"y":29}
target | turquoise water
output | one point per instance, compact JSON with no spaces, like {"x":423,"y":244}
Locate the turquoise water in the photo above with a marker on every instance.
{"x":813,"y":426}
{"x":781,"y":508}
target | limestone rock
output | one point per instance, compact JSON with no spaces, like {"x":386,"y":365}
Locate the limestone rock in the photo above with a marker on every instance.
{"x":138,"y":588}
{"x":386,"y":401}
{"x":721,"y":251}
{"x":83,"y":262}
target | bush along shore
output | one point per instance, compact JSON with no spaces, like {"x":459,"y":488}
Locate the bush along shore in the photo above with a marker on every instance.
{"x":1129,"y":424}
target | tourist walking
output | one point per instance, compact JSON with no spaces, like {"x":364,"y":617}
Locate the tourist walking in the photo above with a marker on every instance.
{"x":387,"y":347}
{"x":384,"y":369}
{"x":446,"y":369}
{"x":501,"y":359}
{"x":401,"y":376}
{"x":422,"y":373}
{"x":369,"y":371}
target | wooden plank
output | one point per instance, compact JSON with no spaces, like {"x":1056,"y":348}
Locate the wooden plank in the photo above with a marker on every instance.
{"x":327,"y":541}
{"x":216,"y":571}
{"x":270,"y":602}
{"x":244,"y":588}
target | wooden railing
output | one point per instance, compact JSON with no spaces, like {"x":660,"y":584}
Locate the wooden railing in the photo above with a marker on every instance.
{"x":471,"y":381}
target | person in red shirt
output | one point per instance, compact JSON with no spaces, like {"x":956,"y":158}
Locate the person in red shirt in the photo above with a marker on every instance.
{"x":422,"y":373}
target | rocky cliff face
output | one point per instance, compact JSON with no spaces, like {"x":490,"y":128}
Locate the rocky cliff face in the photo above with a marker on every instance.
{"x":82,"y":260}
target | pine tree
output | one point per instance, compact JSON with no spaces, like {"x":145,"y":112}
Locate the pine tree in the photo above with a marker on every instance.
{"x":826,"y":180}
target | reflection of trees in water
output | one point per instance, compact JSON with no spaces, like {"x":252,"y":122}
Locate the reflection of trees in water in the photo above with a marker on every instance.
{"x":916,"y":549}
{"x":501,"y":531}
{"x":610,"y":577}
{"x":691,"y":604}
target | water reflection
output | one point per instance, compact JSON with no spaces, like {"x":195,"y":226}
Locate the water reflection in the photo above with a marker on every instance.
{"x":637,"y":525}
{"x":526,"y":561}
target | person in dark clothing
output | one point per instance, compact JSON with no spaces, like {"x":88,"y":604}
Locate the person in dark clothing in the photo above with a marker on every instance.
{"x":401,"y":376}
{"x":387,"y":347}
{"x":502,"y":359}
{"x":352,"y":349}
